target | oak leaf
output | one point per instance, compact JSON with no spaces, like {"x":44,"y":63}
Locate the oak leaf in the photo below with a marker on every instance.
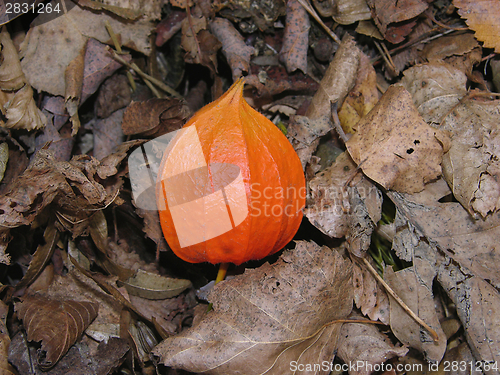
{"x":267,"y":317}
{"x":57,"y":324}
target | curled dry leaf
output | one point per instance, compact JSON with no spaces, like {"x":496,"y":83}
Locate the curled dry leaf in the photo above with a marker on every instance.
{"x":349,"y":11}
{"x":344,"y":203}
{"x":386,"y":12}
{"x":267,"y":317}
{"x":395,"y":147}
{"x":4,"y":158}
{"x":446,"y":46}
{"x":471,"y":165}
{"x":477,"y":305}
{"x":414,"y":286}
{"x":68,"y":35}
{"x":296,"y":39}
{"x":336,"y":83}
{"x":5,"y":367}
{"x":57,"y":324}
{"x":16,"y":102}
{"x":482,"y":17}
{"x":42,"y":255}
{"x":154,"y":117}
{"x":362,"y":98}
{"x":364,"y":343}
{"x":201,"y":46}
{"x":338,"y":80}
{"x":233,"y":46}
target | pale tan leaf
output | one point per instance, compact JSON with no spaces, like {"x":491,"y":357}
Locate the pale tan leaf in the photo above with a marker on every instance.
{"x":338,"y":80}
{"x":362,"y":98}
{"x":471,"y":166}
{"x":365,"y":344}
{"x":395,"y":147}
{"x":350,"y":11}
{"x":16,"y":101}
{"x":415,"y":289}
{"x":57,"y":324}
{"x":369,"y":296}
{"x":482,"y":17}
{"x":4,"y":159}
{"x":267,"y":317}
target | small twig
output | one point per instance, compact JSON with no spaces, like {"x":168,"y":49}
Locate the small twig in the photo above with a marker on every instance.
{"x":401,"y":303}
{"x":386,"y":57}
{"x":143,"y":75}
{"x":336,"y":122}
{"x":118,"y":48}
{"x":444,"y":26}
{"x":307,"y":6}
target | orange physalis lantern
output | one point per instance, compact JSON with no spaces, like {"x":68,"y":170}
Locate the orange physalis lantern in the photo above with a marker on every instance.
{"x":230,"y":186}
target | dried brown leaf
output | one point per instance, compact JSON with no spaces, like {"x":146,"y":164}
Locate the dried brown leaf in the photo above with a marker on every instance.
{"x":42,"y":255}
{"x":349,"y":11}
{"x":277,"y":80}
{"x":386,"y":12}
{"x":415,"y":289}
{"x":369,"y":296}
{"x":362,"y":98}
{"x":16,"y":102}
{"x":99,"y":64}
{"x":296,"y":39}
{"x":233,"y":46}
{"x":339,"y":208}
{"x":471,"y":165}
{"x":477,"y":302}
{"x":108,"y":134}
{"x":169,"y":26}
{"x":154,"y":117}
{"x":114,"y":94}
{"x":61,"y":40}
{"x":482,"y":17}
{"x":57,"y":324}
{"x":365,"y":344}
{"x":395,"y":147}
{"x":472,"y":243}
{"x":200,"y":45}
{"x":446,"y":46}
{"x":338,"y":80}
{"x":5,"y":366}
{"x":269,"y":316}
